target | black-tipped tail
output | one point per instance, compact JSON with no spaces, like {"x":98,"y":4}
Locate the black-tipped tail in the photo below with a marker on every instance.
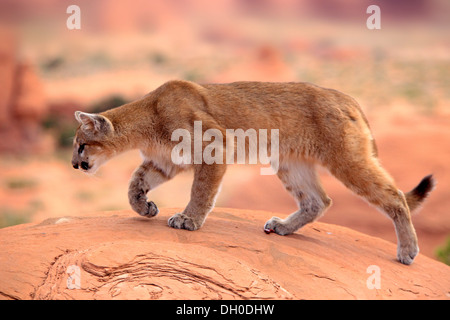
{"x":415,"y":197}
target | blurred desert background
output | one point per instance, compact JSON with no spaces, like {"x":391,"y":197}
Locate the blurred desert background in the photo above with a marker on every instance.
{"x":125,"y":49}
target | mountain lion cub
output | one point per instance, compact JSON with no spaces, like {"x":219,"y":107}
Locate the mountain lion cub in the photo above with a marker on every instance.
{"x":316,"y":126}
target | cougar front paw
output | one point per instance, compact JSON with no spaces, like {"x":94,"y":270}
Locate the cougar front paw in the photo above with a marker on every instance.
{"x":407,"y":253}
{"x":146,"y":209}
{"x":182,"y":221}
{"x":277,"y":225}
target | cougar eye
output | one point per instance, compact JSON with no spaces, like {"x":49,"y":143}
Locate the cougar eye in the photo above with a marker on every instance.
{"x":81,"y":148}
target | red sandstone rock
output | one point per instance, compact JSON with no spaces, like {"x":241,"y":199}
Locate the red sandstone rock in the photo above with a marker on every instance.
{"x":120,"y":255}
{"x":22,"y":99}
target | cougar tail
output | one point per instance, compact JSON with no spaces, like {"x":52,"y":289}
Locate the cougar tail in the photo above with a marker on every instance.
{"x":415,"y":197}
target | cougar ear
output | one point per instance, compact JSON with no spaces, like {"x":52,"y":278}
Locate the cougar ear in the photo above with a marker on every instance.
{"x":94,"y":123}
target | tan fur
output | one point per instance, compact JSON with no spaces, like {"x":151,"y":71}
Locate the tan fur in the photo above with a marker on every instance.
{"x":316,"y":126}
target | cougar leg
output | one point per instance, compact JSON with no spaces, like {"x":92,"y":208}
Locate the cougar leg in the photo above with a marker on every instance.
{"x":206,"y":185}
{"x":301,"y":180}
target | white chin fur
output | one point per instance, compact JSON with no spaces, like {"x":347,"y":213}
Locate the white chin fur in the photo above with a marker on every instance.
{"x":91,"y":171}
{"x":97,"y":164}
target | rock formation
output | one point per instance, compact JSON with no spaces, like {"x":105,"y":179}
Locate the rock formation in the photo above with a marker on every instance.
{"x":119,"y":255}
{"x":22,"y":99}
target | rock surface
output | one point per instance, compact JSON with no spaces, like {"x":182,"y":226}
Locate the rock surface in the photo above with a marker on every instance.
{"x":118,"y":255}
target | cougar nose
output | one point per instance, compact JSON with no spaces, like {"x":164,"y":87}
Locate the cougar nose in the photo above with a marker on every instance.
{"x":84,"y":165}
{"x":75,"y":165}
